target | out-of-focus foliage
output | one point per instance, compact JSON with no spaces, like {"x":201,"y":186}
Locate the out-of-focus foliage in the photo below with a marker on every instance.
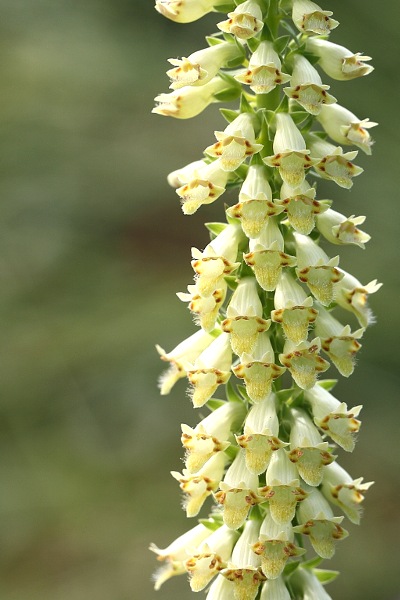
{"x":93,"y":246}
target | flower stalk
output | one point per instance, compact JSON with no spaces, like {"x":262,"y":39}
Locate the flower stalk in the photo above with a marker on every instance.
{"x":265,"y":290}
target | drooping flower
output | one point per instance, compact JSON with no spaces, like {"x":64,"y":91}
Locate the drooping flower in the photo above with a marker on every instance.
{"x":204,"y":187}
{"x":352,"y":295}
{"x":301,"y":206}
{"x":338,"y":229}
{"x":310,"y":18}
{"x":263,"y":73}
{"x":306,"y":87}
{"x":345,"y":128}
{"x":186,"y":11}
{"x":304,"y":362}
{"x":245,"y":21}
{"x":337,"y":61}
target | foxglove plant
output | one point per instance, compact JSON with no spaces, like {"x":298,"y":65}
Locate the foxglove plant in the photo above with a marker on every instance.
{"x":264,"y":295}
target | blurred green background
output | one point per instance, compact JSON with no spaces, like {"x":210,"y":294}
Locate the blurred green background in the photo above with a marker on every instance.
{"x":93,"y":247}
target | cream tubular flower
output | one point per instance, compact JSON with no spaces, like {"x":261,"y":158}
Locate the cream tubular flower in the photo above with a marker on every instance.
{"x":210,"y":558}
{"x":353,"y":296}
{"x":283,"y":489}
{"x":186,"y":351}
{"x":260,"y":437}
{"x":291,"y":155}
{"x":244,"y":22}
{"x":244,"y":320}
{"x":308,"y":586}
{"x":333,"y":163}
{"x":204,"y":187}
{"x":244,"y":571}
{"x":333,"y":417}
{"x":310,"y":18}
{"x":316,"y":269}
{"x":264,"y":70}
{"x":306,"y":86}
{"x":318,"y":522}
{"x":201,"y":66}
{"x":304,"y":362}
{"x":189,"y":101}
{"x":255,"y":202}
{"x":275,"y":547}
{"x":337,"y":61}
{"x":267,"y":257}
{"x":211,"y":435}
{"x":235,"y":143}
{"x":211,"y":369}
{"x":345,"y":128}
{"x":293,"y":309}
{"x":274,"y":589}
{"x":180,"y":176}
{"x":258,"y":369}
{"x":175,"y":554}
{"x":220,"y":589}
{"x":308,"y":452}
{"x":341,"y":489}
{"x":198,"y":486}
{"x":338,"y":342}
{"x":217,"y":260}
{"x":338,"y":229}
{"x":204,"y":308}
{"x":238,"y":492}
{"x":300,"y":206}
{"x":186,"y":11}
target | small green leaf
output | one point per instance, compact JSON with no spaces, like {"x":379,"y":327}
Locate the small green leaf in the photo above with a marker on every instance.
{"x":290,"y":568}
{"x":231,"y":282}
{"x":253,"y":44}
{"x":299,"y":116}
{"x":229,"y":94}
{"x":231,"y":393}
{"x":229,"y":115}
{"x":325,"y":576}
{"x":213,"y":40}
{"x":327,"y":384}
{"x":281,"y":42}
{"x":313,"y":562}
{"x":212,"y":524}
{"x":244,"y":105}
{"x":215,"y":228}
{"x":214,"y":403}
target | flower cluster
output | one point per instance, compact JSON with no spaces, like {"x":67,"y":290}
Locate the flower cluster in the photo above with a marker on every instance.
{"x":264,"y":296}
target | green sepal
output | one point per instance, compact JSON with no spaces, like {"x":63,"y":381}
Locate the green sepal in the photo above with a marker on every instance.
{"x":232,"y":394}
{"x":281,"y":43}
{"x":214,"y":403}
{"x":245,"y":271}
{"x":313,"y":562}
{"x":285,"y":395}
{"x":253,"y":43}
{"x":241,"y":172}
{"x":231,"y":281}
{"x":291,"y":567}
{"x":215,"y":228}
{"x":321,"y":134}
{"x":228,"y":114}
{"x":242,"y":391}
{"x":245,"y":106}
{"x":236,"y":62}
{"x":225,"y":8}
{"x":311,"y":57}
{"x":327,"y":384}
{"x":325,"y":576}
{"x":231,"y":452}
{"x":212,"y":524}
{"x":230,"y":93}
{"x":266,"y":34}
{"x":299,"y":116}
{"x":293,"y":32}
{"x":212,"y":40}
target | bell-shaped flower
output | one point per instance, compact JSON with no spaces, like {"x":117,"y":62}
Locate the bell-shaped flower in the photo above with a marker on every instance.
{"x":300,"y":206}
{"x":204,"y":187}
{"x":338,"y":229}
{"x":282,"y":489}
{"x":220,"y":589}
{"x":204,"y":308}
{"x":307,"y":450}
{"x":189,"y":101}
{"x":174,"y":555}
{"x":353,"y":296}
{"x":293,"y":309}
{"x":260,"y":435}
{"x":341,"y":489}
{"x":333,"y":417}
{"x":310,"y":18}
{"x":316,"y":269}
{"x":186,"y":351}
{"x":238,"y":492}
{"x":258,"y":369}
{"x":198,"y":486}
{"x":306,"y":86}
{"x":217,"y":260}
{"x":333,"y":163}
{"x":337,"y":61}
{"x":304,"y":362}
{"x":244,"y":571}
{"x":211,"y":435}
{"x":245,"y":21}
{"x":210,"y":369}
{"x":201,"y":66}
{"x":267,"y":257}
{"x":263,"y":73}
{"x":210,"y":558}
{"x":184,"y":174}
{"x":235,"y":143}
{"x":244,"y":320}
{"x":317,"y":521}
{"x":338,"y":342}
{"x":255,"y":202}
{"x":275,"y":547}
{"x":345,"y":128}
{"x":291,"y":156}
{"x":307,"y":585}
{"x":274,"y":589}
{"x":186,"y":11}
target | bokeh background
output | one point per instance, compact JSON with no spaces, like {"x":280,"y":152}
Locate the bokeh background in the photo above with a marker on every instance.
{"x":93,"y":247}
